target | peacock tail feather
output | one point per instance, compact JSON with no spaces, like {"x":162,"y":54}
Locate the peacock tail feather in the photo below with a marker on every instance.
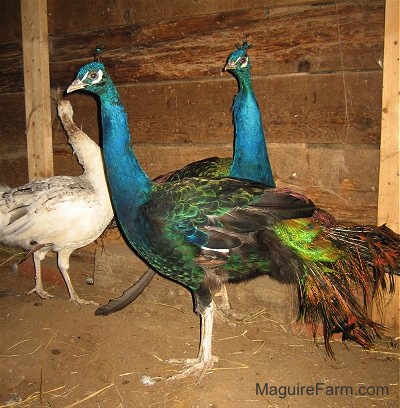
{"x":366,"y":260}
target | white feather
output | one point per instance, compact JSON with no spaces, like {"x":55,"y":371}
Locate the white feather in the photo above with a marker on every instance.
{"x":60,"y":213}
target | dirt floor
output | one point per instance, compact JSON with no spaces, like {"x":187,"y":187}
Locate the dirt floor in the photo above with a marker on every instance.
{"x":54,"y":353}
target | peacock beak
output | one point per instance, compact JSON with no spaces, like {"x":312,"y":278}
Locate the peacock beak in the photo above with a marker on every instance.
{"x":77,"y":84}
{"x":230,"y":65}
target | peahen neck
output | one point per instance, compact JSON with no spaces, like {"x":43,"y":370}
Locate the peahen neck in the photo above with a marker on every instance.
{"x":250,"y":158}
{"x":128,"y":183}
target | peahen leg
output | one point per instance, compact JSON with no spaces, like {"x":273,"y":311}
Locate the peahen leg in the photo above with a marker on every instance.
{"x":38,"y":257}
{"x":63,"y":264}
{"x":205,"y":359}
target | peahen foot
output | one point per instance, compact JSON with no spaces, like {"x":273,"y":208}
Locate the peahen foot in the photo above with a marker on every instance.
{"x":76,"y":299}
{"x":40,"y":292}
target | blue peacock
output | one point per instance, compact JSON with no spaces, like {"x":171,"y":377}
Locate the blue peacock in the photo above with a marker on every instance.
{"x":250,"y":160}
{"x":202,"y":232}
{"x":250,"y":157}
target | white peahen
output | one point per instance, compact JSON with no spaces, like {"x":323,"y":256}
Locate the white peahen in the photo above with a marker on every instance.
{"x":60,"y":213}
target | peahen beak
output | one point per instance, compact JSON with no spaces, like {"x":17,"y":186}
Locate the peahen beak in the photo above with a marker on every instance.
{"x":77,"y":84}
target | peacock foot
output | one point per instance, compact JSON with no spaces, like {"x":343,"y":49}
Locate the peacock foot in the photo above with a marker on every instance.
{"x":76,"y":299}
{"x":196,"y":366}
{"x":40,"y":292}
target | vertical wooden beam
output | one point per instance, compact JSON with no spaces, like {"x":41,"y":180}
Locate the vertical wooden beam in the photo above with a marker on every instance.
{"x":37,"y":88}
{"x":389,"y":175}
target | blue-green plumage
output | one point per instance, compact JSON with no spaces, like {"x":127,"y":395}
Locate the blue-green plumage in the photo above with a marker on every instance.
{"x":202,"y":232}
{"x":193,"y":214}
{"x":164,"y":222}
{"x":250,"y":155}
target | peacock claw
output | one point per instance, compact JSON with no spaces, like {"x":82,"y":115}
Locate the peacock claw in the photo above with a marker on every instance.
{"x":192,"y":366}
{"x":40,"y":292}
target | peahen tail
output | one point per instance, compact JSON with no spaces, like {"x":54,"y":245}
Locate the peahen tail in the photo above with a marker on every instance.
{"x":342,"y":268}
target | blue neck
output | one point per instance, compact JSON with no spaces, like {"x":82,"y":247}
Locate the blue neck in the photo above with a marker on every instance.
{"x":128,"y":183}
{"x":250,"y":159}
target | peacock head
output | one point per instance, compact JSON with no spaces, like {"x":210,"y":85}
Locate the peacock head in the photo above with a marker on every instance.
{"x":91,"y":77}
{"x":239,"y":61}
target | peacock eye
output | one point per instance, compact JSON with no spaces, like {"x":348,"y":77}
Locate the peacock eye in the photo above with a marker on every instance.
{"x":93,"y":75}
{"x":243,"y":60}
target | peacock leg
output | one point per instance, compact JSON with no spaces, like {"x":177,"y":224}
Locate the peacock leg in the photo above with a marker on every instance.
{"x":205,"y":359}
{"x":63,"y":264}
{"x":38,"y":257}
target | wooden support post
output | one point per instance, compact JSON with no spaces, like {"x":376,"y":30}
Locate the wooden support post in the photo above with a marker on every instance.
{"x":389,"y":176}
{"x":37,"y":88}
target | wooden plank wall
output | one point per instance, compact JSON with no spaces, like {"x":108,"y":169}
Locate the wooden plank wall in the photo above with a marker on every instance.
{"x":35,"y":46}
{"x":317,"y":75}
{"x":389,"y":180}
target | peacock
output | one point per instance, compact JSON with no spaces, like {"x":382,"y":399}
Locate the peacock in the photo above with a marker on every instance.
{"x":202,"y":232}
{"x":250,"y":160}
{"x":250,"y":157}
{"x":60,"y":213}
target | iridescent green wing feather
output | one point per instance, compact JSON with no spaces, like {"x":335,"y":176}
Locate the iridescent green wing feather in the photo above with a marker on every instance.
{"x":191,"y":205}
{"x":212,"y":167}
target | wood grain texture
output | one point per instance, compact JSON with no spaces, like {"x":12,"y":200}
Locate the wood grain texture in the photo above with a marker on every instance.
{"x":37,"y":88}
{"x":11,"y":67}
{"x":12,"y":120}
{"x":196,"y":47}
{"x":302,"y":108}
{"x":389,"y":176}
{"x":315,"y":70}
{"x":10,"y":27}
{"x":389,"y":180}
{"x":305,"y":37}
{"x":108,"y":14}
{"x":13,"y":165}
